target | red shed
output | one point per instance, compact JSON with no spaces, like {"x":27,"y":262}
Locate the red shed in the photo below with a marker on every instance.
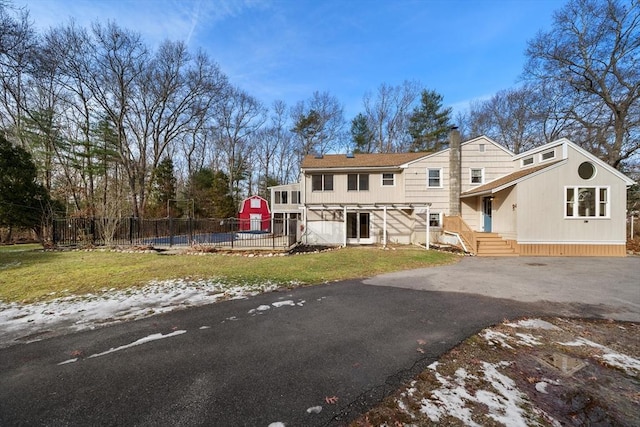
{"x":254,"y":214}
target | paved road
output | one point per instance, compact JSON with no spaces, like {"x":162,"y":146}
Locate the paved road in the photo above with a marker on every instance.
{"x":237,"y":363}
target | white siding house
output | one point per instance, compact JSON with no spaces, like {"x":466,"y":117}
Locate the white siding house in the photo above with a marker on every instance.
{"x":556,"y":199}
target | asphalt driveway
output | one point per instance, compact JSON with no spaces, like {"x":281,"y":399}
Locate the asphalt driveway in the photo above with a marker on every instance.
{"x":593,"y":287}
{"x":308,"y":356}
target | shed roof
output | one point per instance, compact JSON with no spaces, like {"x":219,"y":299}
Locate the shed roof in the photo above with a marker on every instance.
{"x":506,"y":180}
{"x":359,"y":160}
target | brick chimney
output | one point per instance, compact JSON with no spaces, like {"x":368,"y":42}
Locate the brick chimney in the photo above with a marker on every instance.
{"x":455,"y":172}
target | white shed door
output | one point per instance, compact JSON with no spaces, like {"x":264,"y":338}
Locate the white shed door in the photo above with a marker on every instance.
{"x":256,"y":221}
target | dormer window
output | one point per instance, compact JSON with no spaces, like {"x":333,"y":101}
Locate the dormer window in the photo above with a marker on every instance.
{"x":527,"y":161}
{"x":547,"y":155}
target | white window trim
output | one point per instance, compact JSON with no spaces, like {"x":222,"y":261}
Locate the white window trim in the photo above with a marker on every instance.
{"x":471,"y":176}
{"x":542,"y":159}
{"x":522,"y":162}
{"x":393,"y":176}
{"x":597,"y":202}
{"x":440,"y":175}
{"x":439,"y":219}
{"x":255,"y":203}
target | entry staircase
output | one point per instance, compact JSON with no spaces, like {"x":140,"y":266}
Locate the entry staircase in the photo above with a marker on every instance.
{"x":491,"y":244}
{"x":478,"y":243}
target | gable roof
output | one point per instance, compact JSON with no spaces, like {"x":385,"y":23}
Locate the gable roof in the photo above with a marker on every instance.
{"x":507,"y":180}
{"x":481,"y":138}
{"x":359,"y":160}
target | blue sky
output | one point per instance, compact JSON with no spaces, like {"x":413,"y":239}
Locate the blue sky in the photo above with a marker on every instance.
{"x":287,"y":49}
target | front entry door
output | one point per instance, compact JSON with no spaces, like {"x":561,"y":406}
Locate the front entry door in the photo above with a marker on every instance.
{"x":486,"y":214}
{"x":358,"y":228}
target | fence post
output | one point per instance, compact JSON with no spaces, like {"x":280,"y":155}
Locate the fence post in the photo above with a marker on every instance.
{"x":170,"y":231}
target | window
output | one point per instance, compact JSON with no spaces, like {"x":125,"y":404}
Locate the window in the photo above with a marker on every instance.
{"x":322,"y":182}
{"x":295,"y":197}
{"x":547,"y":155}
{"x":586,"y":170}
{"x":358,"y":182}
{"x":285,"y":197}
{"x":528,"y":161}
{"x":276,"y":197}
{"x":388,"y":180}
{"x":587,"y":202}
{"x":434,"y":178}
{"x":255,"y":203}
{"x":434,"y":219}
{"x":482,"y":148}
{"x":477,"y":176}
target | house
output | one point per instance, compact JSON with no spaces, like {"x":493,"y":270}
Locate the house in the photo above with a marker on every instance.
{"x":554,"y":200}
{"x":254,"y":214}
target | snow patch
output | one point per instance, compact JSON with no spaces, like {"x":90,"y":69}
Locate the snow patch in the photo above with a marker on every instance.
{"x":28,"y":322}
{"x":527,"y":339}
{"x":150,"y":338}
{"x":533,"y":324}
{"x":494,"y":338}
{"x":279,"y":304}
{"x":541,"y":387}
{"x":505,"y":402}
{"x":611,"y":357}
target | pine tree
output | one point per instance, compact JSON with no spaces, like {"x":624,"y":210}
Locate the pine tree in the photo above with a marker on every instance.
{"x":429,"y":123}
{"x":23,"y":201}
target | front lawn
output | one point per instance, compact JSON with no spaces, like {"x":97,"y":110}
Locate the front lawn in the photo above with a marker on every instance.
{"x":28,"y":274}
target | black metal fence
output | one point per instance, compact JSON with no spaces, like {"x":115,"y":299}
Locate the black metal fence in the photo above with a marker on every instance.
{"x":230,"y":233}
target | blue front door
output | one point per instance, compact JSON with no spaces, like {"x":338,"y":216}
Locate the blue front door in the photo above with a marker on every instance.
{"x":486,"y":214}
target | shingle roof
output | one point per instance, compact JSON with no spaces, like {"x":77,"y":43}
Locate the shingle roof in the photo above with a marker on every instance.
{"x":359,"y":160}
{"x":507,"y":179}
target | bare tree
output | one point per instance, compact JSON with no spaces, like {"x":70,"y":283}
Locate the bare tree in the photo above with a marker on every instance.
{"x":238,"y":117}
{"x":318,"y":124}
{"x":18,"y":42}
{"x":592,"y":55}
{"x":511,"y":117}
{"x":388,"y":115}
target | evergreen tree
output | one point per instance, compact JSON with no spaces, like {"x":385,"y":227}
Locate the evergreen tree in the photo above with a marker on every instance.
{"x":361,"y":135}
{"x":199,"y":189}
{"x":23,"y":201}
{"x":429,"y":123}
{"x":164,"y":186}
{"x":224,"y":205}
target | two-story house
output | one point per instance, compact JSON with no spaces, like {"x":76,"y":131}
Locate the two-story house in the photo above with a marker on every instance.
{"x":554,"y":200}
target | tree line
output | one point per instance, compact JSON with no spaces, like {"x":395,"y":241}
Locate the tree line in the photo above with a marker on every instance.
{"x":116,"y":128}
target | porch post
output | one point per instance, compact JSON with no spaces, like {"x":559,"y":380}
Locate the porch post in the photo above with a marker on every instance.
{"x":345,"y":226}
{"x":304,"y":233}
{"x":428,"y":227}
{"x":384,"y":226}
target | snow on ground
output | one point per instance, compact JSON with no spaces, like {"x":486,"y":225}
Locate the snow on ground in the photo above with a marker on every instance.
{"x":28,"y":322}
{"x":152,"y":337}
{"x":505,"y":401}
{"x":609,"y":356}
{"x":460,"y":393}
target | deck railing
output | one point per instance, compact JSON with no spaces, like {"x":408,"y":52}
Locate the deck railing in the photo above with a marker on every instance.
{"x":457,"y":225}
